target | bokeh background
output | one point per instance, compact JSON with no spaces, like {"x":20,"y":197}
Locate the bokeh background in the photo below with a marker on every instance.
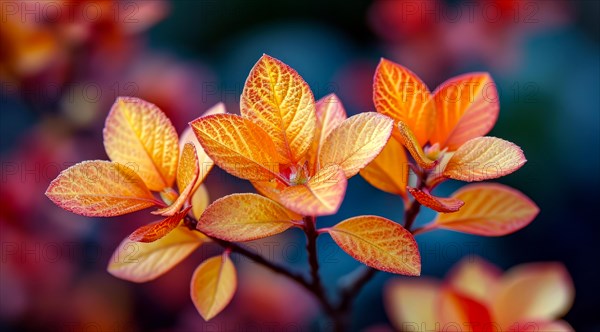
{"x":63,"y":63}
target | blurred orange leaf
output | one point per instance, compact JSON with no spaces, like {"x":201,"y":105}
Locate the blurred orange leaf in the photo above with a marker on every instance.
{"x":356,"y":142}
{"x":379,"y":243}
{"x":213,"y":285}
{"x":238,"y":146}
{"x":490,"y":209}
{"x":401,"y":95}
{"x":141,"y":262}
{"x":157,"y":230}
{"x":389,"y":170}
{"x":321,"y":195}
{"x":439,"y":204}
{"x":277,"y":98}
{"x":467,"y":107}
{"x":245,"y":217}
{"x":330,"y":115}
{"x":484,"y":158}
{"x":100,"y":188}
{"x":139,"y":134}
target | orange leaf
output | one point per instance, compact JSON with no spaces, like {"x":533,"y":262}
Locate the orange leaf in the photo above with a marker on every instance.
{"x":200,"y":200}
{"x":467,"y":107}
{"x":356,"y":142}
{"x":490,"y":209}
{"x":100,"y":189}
{"x":187,"y":175}
{"x":389,"y":170}
{"x":137,"y":133}
{"x":475,"y":278}
{"x":406,"y":137}
{"x":411,"y":304}
{"x":330,"y":115}
{"x":141,"y":262}
{"x":484,"y":158}
{"x":157,"y":230}
{"x":276,"y":98}
{"x":379,"y":243}
{"x":459,"y":310}
{"x":271,"y":189}
{"x":547,"y":287}
{"x":401,"y":95}
{"x":245,"y":217}
{"x":322,"y":195}
{"x":238,"y":146}
{"x":438,"y":204}
{"x":213,"y":285}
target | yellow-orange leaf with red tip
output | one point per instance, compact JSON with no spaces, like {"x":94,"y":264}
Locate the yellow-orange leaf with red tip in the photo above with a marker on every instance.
{"x":277,"y":99}
{"x":155,"y":231}
{"x":408,"y":139}
{"x":439,"y":204}
{"x":484,"y":158}
{"x":141,"y":262}
{"x":238,"y":146}
{"x":456,"y":307}
{"x":137,"y":133}
{"x":356,"y":142}
{"x":490,"y":209}
{"x":467,"y":107}
{"x":330,"y":115}
{"x":213,"y":285}
{"x":389,"y":170}
{"x":322,"y":195}
{"x":187,"y":175}
{"x":100,"y":188}
{"x":245,"y":217}
{"x":401,"y":95}
{"x":379,"y":243}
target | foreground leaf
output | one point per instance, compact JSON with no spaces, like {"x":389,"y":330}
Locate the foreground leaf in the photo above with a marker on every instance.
{"x":439,"y":204}
{"x":245,"y":217}
{"x":139,"y":134}
{"x":238,"y":146}
{"x":322,"y":195}
{"x":484,"y":158}
{"x":389,"y":170}
{"x":213,"y":285}
{"x":412,"y":303}
{"x":100,"y":189}
{"x":141,"y":262}
{"x":277,"y":98}
{"x":356,"y":142}
{"x":467,"y":107}
{"x":490,"y":210}
{"x":157,"y":230}
{"x":379,"y":243}
{"x":330,"y":115}
{"x":401,"y":95}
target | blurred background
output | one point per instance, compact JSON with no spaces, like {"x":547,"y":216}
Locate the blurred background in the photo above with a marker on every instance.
{"x":62,"y":64}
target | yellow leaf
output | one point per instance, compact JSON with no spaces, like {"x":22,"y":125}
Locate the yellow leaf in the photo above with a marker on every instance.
{"x":490,"y":209}
{"x":484,"y":158}
{"x":379,"y":243}
{"x":141,"y":262}
{"x":547,"y":287}
{"x":137,"y":133}
{"x":389,"y":170}
{"x":322,"y":195}
{"x":411,"y":304}
{"x":330,"y":115}
{"x":356,"y":142}
{"x":276,"y":98}
{"x":409,"y":141}
{"x":187,"y":175}
{"x":157,"y":230}
{"x":401,"y":95}
{"x":100,"y":189}
{"x":245,"y":217}
{"x":439,"y":204}
{"x":213,"y":285}
{"x":467,"y":107}
{"x":200,"y":200}
{"x":238,"y":146}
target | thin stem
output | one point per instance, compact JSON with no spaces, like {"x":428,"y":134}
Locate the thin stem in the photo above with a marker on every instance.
{"x":411,"y":214}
